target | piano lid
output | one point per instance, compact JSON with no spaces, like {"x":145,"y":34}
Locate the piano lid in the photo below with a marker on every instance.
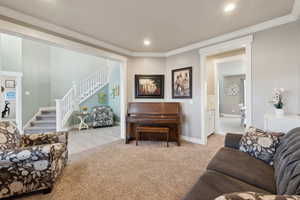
{"x":154,"y":108}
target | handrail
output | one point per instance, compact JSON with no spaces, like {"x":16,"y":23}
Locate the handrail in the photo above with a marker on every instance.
{"x":78,"y":94}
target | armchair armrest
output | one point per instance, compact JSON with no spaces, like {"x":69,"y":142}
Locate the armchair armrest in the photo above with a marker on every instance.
{"x":256,"y":196}
{"x":31,"y":168}
{"x":233,"y":140}
{"x":44,"y":138}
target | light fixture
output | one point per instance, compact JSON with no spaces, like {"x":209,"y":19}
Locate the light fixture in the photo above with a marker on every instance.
{"x":147,"y":42}
{"x":229,"y":7}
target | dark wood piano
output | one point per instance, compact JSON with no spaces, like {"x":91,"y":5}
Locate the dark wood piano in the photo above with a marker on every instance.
{"x":165,"y":114}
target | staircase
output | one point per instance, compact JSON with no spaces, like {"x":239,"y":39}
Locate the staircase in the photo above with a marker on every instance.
{"x":79,"y":93}
{"x":55,"y":119}
{"x":44,"y":121}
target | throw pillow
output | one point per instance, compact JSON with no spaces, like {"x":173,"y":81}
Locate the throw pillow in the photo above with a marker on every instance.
{"x":256,"y":196}
{"x":260,"y":144}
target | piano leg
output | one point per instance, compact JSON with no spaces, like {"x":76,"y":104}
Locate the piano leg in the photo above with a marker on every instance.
{"x":128,"y":129}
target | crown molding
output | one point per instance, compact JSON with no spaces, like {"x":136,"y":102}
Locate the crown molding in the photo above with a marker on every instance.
{"x":148,"y":54}
{"x":68,"y":34}
{"x":60,"y":30}
{"x":236,"y":34}
{"x":296,"y":9}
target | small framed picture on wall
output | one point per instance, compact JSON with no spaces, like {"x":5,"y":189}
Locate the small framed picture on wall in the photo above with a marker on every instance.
{"x":149,"y":86}
{"x":10,"y":83}
{"x":182,"y":84}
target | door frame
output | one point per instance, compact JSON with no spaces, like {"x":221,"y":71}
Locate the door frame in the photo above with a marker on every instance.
{"x":18,"y":76}
{"x":244,"y":42}
{"x":241,"y":57}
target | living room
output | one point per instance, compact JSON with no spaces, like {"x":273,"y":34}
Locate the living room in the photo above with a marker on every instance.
{"x":168,"y":144}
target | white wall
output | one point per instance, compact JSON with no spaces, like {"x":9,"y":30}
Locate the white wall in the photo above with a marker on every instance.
{"x":190,"y":107}
{"x":67,"y":66}
{"x":143,"y":66}
{"x":276,"y":63}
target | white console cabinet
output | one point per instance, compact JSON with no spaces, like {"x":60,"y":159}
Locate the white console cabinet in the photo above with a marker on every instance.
{"x":281,"y":124}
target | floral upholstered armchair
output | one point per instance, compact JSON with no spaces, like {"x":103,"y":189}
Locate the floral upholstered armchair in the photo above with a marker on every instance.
{"x":30,"y":162}
{"x":102,"y":116}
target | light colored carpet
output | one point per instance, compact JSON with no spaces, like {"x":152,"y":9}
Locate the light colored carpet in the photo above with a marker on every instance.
{"x":126,"y":172}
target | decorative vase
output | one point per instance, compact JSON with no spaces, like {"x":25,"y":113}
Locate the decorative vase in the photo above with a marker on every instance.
{"x":279,"y":112}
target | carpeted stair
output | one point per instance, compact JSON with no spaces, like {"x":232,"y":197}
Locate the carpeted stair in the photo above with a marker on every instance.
{"x":44,"y":122}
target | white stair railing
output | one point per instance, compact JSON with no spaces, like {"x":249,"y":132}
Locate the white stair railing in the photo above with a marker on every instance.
{"x":78,"y":94}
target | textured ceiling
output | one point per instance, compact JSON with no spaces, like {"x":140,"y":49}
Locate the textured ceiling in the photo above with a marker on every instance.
{"x":169,"y":24}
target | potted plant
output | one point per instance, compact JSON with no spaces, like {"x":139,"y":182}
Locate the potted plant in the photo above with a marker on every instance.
{"x":84,"y":109}
{"x":277,"y":101}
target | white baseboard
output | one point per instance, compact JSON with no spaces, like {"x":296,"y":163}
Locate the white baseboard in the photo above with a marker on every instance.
{"x":192,"y":139}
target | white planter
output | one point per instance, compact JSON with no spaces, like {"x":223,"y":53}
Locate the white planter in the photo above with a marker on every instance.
{"x":279,"y":112}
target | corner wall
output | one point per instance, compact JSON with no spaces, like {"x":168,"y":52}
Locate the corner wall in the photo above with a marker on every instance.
{"x":275,"y":63}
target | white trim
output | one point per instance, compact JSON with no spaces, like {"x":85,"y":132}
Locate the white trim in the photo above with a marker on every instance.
{"x":293,"y":16}
{"x":148,"y":54}
{"x":25,"y":32}
{"x":242,"y":32}
{"x":296,"y":9}
{"x":19,"y":112}
{"x":217,"y":96}
{"x":58,"y":29}
{"x":230,"y":59}
{"x":124,"y":100}
{"x":216,"y":49}
{"x":191,"y":139}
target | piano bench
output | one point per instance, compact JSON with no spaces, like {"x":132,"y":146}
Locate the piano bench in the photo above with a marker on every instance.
{"x":147,"y":129}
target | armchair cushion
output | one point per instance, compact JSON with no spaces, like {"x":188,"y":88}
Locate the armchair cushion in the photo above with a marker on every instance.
{"x":256,"y":196}
{"x":31,"y":168}
{"x":9,"y":136}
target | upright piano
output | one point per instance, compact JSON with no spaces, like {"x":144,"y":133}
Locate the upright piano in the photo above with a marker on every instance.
{"x":164,"y":114}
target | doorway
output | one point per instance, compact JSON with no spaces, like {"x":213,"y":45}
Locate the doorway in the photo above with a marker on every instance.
{"x":11,"y":97}
{"x":229,"y":92}
{"x":210,"y":118}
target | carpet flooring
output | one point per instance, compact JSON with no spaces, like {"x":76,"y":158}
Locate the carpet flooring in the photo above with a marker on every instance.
{"x":117,"y":171}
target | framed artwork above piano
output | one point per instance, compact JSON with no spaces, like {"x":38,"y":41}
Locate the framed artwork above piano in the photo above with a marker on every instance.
{"x":149,"y":86}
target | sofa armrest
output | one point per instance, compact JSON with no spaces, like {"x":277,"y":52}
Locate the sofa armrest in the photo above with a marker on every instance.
{"x":44,"y":138}
{"x":256,"y":196}
{"x":233,"y":140}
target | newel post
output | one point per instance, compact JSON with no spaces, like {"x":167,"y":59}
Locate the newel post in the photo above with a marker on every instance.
{"x":58,"y":114}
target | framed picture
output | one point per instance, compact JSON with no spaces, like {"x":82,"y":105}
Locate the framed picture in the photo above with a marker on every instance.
{"x":182,"y":84}
{"x":149,"y":86}
{"x":10,"y":84}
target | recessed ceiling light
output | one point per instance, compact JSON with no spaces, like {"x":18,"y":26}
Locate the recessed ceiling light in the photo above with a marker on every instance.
{"x":229,"y":7}
{"x":147,"y":42}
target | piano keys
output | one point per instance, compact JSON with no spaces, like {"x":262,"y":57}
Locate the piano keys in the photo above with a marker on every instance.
{"x":164,"y":114}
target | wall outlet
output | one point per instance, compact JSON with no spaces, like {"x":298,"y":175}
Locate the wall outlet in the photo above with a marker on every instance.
{"x":27,"y":93}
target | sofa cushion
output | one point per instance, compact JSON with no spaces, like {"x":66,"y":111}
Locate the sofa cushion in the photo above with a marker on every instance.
{"x":213,"y":184}
{"x":287,"y":164}
{"x":248,"y":169}
{"x":259,"y":144}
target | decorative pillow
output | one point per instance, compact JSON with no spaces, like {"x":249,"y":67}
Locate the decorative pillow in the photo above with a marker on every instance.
{"x":256,"y":196}
{"x":259,"y":144}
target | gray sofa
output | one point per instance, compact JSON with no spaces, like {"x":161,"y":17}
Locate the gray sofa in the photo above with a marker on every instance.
{"x":234,"y":171}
